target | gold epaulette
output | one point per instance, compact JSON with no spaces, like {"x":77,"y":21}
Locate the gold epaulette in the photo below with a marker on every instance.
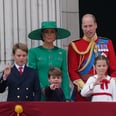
{"x":80,"y":83}
{"x":92,"y":46}
{"x":79,"y":52}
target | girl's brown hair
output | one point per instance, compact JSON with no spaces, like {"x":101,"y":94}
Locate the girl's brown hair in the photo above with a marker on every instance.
{"x":101,"y":57}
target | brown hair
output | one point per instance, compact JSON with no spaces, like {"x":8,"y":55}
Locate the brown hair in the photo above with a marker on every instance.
{"x":101,"y":57}
{"x":42,"y":31}
{"x":20,"y":46}
{"x":54,"y":71}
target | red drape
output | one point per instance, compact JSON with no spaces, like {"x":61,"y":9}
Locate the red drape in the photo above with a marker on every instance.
{"x":59,"y":109}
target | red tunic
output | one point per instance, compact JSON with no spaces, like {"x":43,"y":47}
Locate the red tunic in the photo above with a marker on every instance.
{"x":74,"y":58}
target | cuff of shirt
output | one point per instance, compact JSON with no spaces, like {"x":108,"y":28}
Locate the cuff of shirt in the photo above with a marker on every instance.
{"x":91,"y":86}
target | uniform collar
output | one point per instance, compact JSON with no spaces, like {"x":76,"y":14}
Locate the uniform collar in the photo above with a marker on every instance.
{"x":90,"y":39}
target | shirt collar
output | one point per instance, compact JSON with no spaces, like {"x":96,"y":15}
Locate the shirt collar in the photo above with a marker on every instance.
{"x":17,"y":66}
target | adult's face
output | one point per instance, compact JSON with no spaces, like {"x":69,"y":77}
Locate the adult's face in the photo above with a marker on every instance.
{"x":49,"y":35}
{"x":89,"y":26}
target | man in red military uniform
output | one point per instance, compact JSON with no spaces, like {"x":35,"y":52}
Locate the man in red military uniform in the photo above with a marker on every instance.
{"x":82,"y":52}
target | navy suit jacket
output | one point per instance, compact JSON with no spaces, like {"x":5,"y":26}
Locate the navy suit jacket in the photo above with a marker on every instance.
{"x":25,"y":87}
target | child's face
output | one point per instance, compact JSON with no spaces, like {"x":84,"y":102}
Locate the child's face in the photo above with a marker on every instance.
{"x":20,"y":57}
{"x":101,"y":67}
{"x":55,"y":80}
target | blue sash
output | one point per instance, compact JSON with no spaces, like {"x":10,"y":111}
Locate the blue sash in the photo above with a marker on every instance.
{"x":87,"y":69}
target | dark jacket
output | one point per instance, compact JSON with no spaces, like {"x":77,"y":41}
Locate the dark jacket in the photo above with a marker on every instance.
{"x":25,"y":87}
{"x":54,"y":95}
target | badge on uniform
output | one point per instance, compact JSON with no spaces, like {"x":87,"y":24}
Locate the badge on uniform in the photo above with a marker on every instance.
{"x":102,"y":47}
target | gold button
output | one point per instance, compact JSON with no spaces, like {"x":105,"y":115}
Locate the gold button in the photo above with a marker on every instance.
{"x":18,"y":88}
{"x":26,"y":97}
{"x":27,"y":88}
{"x":18,"y":96}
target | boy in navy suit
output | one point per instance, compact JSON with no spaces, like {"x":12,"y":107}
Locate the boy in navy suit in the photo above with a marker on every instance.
{"x":22,"y":83}
{"x":53,"y":92}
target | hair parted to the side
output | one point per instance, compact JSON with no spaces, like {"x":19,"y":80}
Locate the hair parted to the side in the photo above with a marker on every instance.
{"x":20,"y":46}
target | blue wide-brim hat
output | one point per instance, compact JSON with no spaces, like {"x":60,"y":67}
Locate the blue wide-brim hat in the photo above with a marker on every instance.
{"x":61,"y":32}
